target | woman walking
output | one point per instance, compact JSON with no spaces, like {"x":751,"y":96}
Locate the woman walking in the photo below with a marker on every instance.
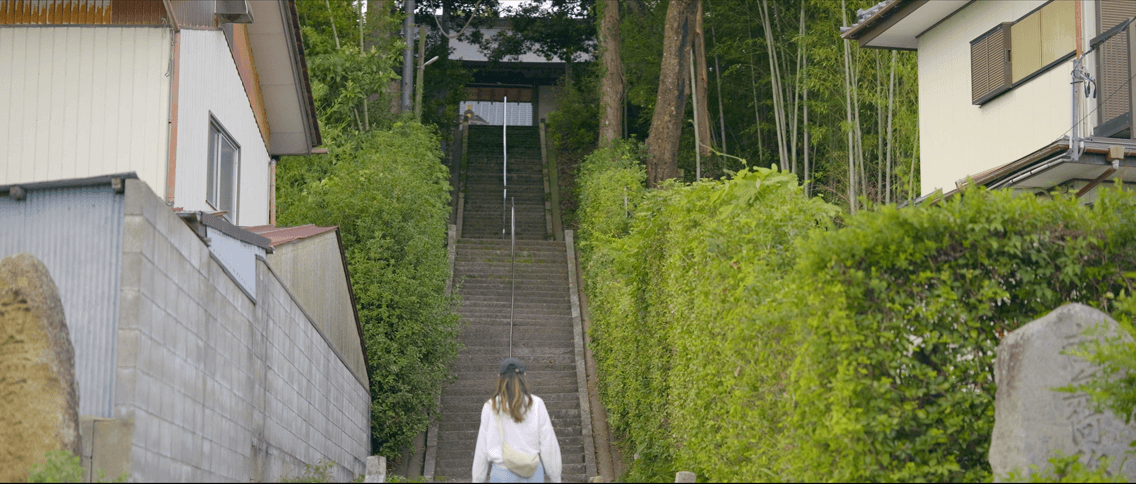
{"x":515,"y":442}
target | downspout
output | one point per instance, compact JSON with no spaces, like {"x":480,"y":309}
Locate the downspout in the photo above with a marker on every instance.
{"x":272,"y":191}
{"x":175,"y":67}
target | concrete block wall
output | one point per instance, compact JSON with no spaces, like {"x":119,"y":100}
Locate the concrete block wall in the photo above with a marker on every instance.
{"x":219,"y":387}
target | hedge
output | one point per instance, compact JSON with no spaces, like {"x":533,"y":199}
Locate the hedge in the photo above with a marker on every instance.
{"x":388,"y":192}
{"x":742,"y":335}
{"x":693,"y":364}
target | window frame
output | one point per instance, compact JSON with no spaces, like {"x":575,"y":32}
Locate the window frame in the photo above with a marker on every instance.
{"x":212,"y":174}
{"x":1009,"y":62}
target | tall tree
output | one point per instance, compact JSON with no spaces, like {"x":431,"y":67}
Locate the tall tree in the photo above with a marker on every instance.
{"x":611,"y":89}
{"x":702,"y":84}
{"x":670,"y":102}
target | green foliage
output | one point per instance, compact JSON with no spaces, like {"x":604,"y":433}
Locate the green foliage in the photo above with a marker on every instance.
{"x":611,"y":186}
{"x":574,"y":126}
{"x":692,"y":346}
{"x":319,"y":472}
{"x":902,"y":311}
{"x":1114,"y":385}
{"x":58,"y":466}
{"x":389,"y":194}
{"x":742,"y":336}
{"x":1068,"y":468}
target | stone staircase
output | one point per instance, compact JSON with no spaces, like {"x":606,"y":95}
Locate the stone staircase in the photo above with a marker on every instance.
{"x":542,"y":331}
{"x":482,"y":218}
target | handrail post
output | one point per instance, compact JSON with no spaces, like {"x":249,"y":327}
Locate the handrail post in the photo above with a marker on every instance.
{"x":513,"y":271}
{"x":504,"y":161}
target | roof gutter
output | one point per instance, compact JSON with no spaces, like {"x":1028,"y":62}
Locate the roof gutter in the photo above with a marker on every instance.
{"x":300,"y":70}
{"x":887,"y":16}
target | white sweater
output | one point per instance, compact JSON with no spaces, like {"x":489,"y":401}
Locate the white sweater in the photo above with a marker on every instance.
{"x":532,"y":435}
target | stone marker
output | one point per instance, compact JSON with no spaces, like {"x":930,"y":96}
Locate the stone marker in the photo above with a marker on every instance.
{"x":686,"y":476}
{"x":39,"y":398}
{"x":376,"y":469}
{"x":1031,"y":420}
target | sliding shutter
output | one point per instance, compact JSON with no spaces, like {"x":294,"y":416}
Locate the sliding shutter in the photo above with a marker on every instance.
{"x":990,"y":64}
{"x":1113,"y":84}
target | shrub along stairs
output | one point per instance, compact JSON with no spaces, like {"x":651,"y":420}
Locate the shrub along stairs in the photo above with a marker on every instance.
{"x":542,"y":333}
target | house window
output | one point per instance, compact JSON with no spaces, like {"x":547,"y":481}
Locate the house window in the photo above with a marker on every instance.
{"x":1015,"y":52}
{"x":1041,"y":38}
{"x":990,"y":64}
{"x":223,"y":171}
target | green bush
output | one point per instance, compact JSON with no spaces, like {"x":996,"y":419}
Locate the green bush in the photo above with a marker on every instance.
{"x":1067,"y":468}
{"x":389,"y":194}
{"x":685,"y":329}
{"x":319,"y":472}
{"x":742,"y":336}
{"x":902,"y":310}
{"x":58,"y":466}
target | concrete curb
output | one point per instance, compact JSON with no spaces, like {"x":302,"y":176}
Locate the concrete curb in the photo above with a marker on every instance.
{"x":581,"y":374}
{"x":432,"y":432}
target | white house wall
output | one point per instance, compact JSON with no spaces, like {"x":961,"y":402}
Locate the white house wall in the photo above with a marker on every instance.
{"x":957,"y":138}
{"x":83,"y":101}
{"x":209,"y":84}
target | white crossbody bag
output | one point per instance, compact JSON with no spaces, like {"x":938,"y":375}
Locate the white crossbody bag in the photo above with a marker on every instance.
{"x":520,"y":463}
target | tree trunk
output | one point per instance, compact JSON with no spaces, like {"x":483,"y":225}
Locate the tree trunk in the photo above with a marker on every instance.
{"x":670,"y":102}
{"x":408,"y":56}
{"x":756,"y":103}
{"x":718,"y":77}
{"x":775,"y":77}
{"x":891,"y":111}
{"x":848,"y":115}
{"x":611,"y":91}
{"x":702,"y":85}
{"x":805,"y":77}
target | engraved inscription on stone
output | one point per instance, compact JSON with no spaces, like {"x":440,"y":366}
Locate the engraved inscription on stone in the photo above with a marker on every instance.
{"x":1032,"y":420}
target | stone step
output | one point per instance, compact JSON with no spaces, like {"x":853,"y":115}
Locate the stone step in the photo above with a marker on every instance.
{"x":543,"y":363}
{"x":474,"y":242}
{"x":461,"y":438}
{"x":500,"y":339}
{"x":485,"y":389}
{"x":573,"y":454}
{"x":504,"y":298}
{"x":471,"y":421}
{"x":530,"y":351}
{"x":516,"y":306}
{"x":462,"y":471}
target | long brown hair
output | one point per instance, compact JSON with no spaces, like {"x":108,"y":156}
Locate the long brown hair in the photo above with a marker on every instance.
{"x":514,"y":394}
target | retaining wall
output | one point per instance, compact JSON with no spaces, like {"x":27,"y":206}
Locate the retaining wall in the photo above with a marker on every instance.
{"x":219,"y":387}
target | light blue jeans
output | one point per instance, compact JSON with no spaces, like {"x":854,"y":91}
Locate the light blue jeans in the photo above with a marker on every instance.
{"x":501,"y":474}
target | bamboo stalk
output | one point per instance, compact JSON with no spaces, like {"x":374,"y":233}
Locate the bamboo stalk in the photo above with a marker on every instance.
{"x":891,"y":114}
{"x":848,"y":114}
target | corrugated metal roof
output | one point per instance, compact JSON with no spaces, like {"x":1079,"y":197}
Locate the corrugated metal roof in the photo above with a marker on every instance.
{"x":283,"y":235}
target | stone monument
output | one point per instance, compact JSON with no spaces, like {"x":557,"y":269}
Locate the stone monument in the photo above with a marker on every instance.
{"x":39,"y":397}
{"x":1031,"y":420}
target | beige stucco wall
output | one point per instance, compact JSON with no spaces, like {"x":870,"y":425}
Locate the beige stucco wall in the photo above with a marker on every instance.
{"x":84,"y":101}
{"x":957,"y":138}
{"x":312,"y":269}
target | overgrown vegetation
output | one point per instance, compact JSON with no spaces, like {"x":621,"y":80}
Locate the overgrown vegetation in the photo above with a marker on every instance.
{"x":383,"y":183}
{"x":742,"y":335}
{"x":319,"y":472}
{"x":389,"y":194}
{"x":62,"y":466}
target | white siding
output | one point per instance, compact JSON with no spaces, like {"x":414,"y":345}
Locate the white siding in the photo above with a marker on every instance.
{"x":209,"y":84}
{"x":83,"y":101}
{"x":957,"y":138}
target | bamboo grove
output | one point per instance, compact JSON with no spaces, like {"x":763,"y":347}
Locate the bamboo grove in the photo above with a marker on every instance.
{"x":777,"y":85}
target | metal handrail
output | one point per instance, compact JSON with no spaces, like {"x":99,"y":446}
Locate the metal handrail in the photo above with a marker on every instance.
{"x":504,"y":161}
{"x":513,"y":270}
